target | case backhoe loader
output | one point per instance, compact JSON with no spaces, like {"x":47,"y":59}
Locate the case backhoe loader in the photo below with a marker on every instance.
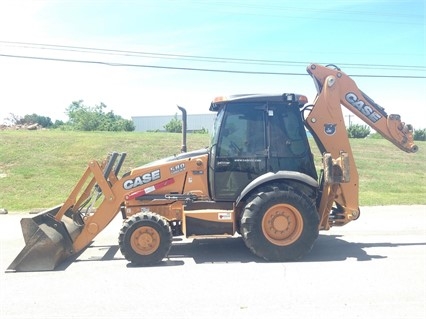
{"x":257,"y":179}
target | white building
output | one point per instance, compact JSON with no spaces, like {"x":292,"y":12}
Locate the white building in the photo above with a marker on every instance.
{"x":195,"y":122}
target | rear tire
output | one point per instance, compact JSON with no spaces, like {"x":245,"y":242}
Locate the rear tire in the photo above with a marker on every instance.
{"x":280,"y":224}
{"x":145,"y":238}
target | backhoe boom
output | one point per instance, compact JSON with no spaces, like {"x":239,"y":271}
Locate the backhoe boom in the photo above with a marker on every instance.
{"x":340,"y":184}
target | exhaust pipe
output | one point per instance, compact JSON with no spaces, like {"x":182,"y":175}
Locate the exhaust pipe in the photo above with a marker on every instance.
{"x":184,"y":122}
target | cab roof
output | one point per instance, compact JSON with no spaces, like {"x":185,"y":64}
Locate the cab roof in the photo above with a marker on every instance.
{"x":285,"y":97}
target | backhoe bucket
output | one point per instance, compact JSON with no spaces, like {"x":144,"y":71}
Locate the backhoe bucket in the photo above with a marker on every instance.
{"x":48,"y":242}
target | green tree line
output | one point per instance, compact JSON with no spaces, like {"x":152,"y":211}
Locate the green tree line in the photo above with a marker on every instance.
{"x":88,"y":118}
{"x":362,"y":131}
{"x":81,"y":117}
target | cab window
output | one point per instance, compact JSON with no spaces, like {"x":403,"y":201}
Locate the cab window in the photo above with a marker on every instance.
{"x":242,"y":132}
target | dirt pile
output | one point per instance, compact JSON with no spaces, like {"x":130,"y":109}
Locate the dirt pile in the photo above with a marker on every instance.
{"x":28,"y":127}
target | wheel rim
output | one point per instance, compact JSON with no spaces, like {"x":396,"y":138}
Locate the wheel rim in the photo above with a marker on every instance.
{"x":282,"y":224}
{"x":145,"y":240}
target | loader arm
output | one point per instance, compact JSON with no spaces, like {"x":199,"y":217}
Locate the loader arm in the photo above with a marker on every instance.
{"x":62,"y":231}
{"x":340,"y":181}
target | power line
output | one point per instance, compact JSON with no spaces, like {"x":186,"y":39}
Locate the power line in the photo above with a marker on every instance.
{"x":79,"y":49}
{"x":144,"y":54}
{"x":148,"y":66}
{"x":195,"y":69}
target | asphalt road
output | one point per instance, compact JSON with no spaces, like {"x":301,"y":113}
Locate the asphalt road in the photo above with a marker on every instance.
{"x":374,"y":267}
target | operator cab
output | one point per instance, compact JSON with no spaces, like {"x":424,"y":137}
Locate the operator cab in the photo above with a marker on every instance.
{"x":253,"y":135}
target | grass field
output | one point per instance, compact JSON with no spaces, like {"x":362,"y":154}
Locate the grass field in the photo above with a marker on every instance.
{"x":38,"y":169}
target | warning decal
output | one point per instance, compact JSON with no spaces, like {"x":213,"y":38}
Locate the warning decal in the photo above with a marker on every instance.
{"x":224,"y":216}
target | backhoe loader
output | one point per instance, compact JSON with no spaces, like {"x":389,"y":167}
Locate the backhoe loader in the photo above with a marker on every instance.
{"x":257,"y":180}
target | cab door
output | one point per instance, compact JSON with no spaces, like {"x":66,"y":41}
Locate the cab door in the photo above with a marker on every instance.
{"x":289,"y":148}
{"x":240,"y":152}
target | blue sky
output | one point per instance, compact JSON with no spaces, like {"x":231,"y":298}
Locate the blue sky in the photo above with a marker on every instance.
{"x":363,"y":37}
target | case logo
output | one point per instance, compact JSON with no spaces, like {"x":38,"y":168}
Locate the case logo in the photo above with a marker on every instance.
{"x":360,"y":105}
{"x":142,"y":180}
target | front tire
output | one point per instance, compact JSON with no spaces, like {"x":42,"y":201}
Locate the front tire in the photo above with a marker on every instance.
{"x":145,"y":238}
{"x":280,"y":224}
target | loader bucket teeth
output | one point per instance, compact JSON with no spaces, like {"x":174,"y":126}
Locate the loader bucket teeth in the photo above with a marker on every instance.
{"x":48,"y":242}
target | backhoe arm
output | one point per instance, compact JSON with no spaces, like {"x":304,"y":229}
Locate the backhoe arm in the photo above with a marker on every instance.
{"x":389,"y":126}
{"x":326,"y":122}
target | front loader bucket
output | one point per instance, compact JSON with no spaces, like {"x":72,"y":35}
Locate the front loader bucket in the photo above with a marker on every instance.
{"x":48,"y":242}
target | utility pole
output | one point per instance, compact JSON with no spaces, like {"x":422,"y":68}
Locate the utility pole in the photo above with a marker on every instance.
{"x":349,"y":117}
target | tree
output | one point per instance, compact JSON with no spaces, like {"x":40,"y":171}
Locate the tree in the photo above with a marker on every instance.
{"x":29,"y":119}
{"x":58,"y":124}
{"x":13,"y":118}
{"x":174,"y":126}
{"x":358,"y":131}
{"x":420,"y":135}
{"x":86,"y":118}
{"x":40,"y":120}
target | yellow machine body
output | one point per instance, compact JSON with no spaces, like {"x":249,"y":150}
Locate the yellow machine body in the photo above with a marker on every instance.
{"x":268,"y":191}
